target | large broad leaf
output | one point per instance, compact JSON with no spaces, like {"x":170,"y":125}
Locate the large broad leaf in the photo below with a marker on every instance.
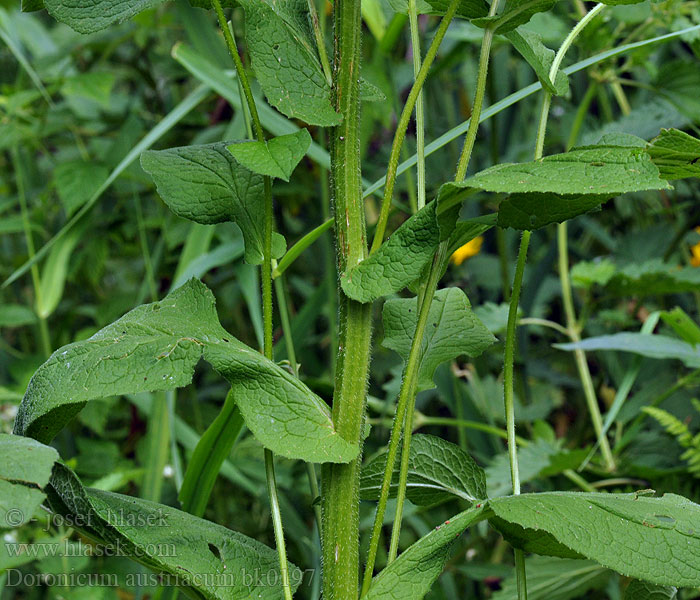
{"x":437,"y":470}
{"x":556,"y":579}
{"x":676,"y":154}
{"x":25,"y":469}
{"x":653,"y":277}
{"x":651,"y":346}
{"x":655,"y":539}
{"x":156,"y":347}
{"x":207,"y":185}
{"x":643,"y":590}
{"x":560,"y":186}
{"x":88,"y":17}
{"x":285,"y":60}
{"x":402,"y":259}
{"x":413,"y":573}
{"x":207,"y":560}
{"x":453,"y":330}
{"x":540,"y":58}
{"x":277,"y":157}
{"x":467,"y":9}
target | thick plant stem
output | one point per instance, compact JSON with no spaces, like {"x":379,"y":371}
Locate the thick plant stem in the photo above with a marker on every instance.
{"x":404,"y":119}
{"x":266,"y":276}
{"x":341,"y":482}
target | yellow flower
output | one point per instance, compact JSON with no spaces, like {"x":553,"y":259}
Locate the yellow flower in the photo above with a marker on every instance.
{"x":695,"y":251}
{"x":468,"y":250}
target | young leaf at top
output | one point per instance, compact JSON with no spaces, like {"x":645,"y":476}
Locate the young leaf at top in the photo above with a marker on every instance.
{"x":413,"y":573}
{"x":286,"y":62}
{"x":560,"y":186}
{"x":540,"y":58}
{"x":676,"y":154}
{"x":467,"y":9}
{"x":438,"y":470}
{"x":148,"y":532}
{"x":277,"y":157}
{"x":207,"y":185}
{"x":89,"y":17}
{"x":651,"y":346}
{"x":453,"y":330}
{"x":643,"y":590}
{"x":24,"y":470}
{"x":655,"y":539}
{"x":156,"y":347}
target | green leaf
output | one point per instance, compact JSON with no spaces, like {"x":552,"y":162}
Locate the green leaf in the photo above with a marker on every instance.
{"x":453,"y":330}
{"x":656,"y":539}
{"x":516,"y":13}
{"x":277,"y":157}
{"x":643,"y":590}
{"x":32,"y":5}
{"x":560,"y":186}
{"x":26,"y":466}
{"x":556,"y":579}
{"x":55,"y":271}
{"x":653,"y":277}
{"x":540,"y":58}
{"x":467,"y":9}
{"x":169,"y":541}
{"x":676,"y":154}
{"x":585,"y":274}
{"x":211,"y":451}
{"x":682,"y":324}
{"x":285,"y":60}
{"x":651,"y":346}
{"x":413,"y":573}
{"x":89,"y":17}
{"x":156,"y":347}
{"x":76,"y":182}
{"x":438,"y":470}
{"x":16,"y":315}
{"x":207,"y":185}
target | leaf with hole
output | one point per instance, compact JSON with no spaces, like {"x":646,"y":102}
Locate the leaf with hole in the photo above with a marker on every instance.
{"x":277,"y":157}
{"x":156,"y":347}
{"x":207,"y":185}
{"x":438,"y":470}
{"x":452,"y":330}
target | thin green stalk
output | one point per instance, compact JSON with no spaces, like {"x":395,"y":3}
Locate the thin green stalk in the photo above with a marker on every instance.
{"x":293,"y":253}
{"x":29,"y":240}
{"x":320,"y":41}
{"x":404,"y":119}
{"x":515,"y":297}
{"x":341,"y":482}
{"x":266,"y":276}
{"x":420,"y":108}
{"x":405,"y":400}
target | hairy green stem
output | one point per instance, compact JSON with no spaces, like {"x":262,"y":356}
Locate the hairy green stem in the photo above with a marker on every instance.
{"x":341,"y":482}
{"x":420,"y":109}
{"x":266,"y":276}
{"x":404,"y":119}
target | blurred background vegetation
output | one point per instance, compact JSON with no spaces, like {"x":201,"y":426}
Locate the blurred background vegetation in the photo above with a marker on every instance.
{"x":77,"y":110}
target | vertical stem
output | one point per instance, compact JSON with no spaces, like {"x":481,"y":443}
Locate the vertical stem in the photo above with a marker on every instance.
{"x":420,"y":111}
{"x":320,"y":41}
{"x":266,"y":276}
{"x":341,"y":482}
{"x":404,"y":119}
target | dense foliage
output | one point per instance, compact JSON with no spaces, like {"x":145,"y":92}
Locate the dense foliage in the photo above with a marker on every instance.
{"x":231,"y":287}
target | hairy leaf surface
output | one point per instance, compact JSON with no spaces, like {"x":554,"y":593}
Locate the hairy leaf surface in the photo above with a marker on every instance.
{"x":156,"y":347}
{"x":656,"y":539}
{"x":207,"y":185}
{"x":277,"y":157}
{"x":453,"y":330}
